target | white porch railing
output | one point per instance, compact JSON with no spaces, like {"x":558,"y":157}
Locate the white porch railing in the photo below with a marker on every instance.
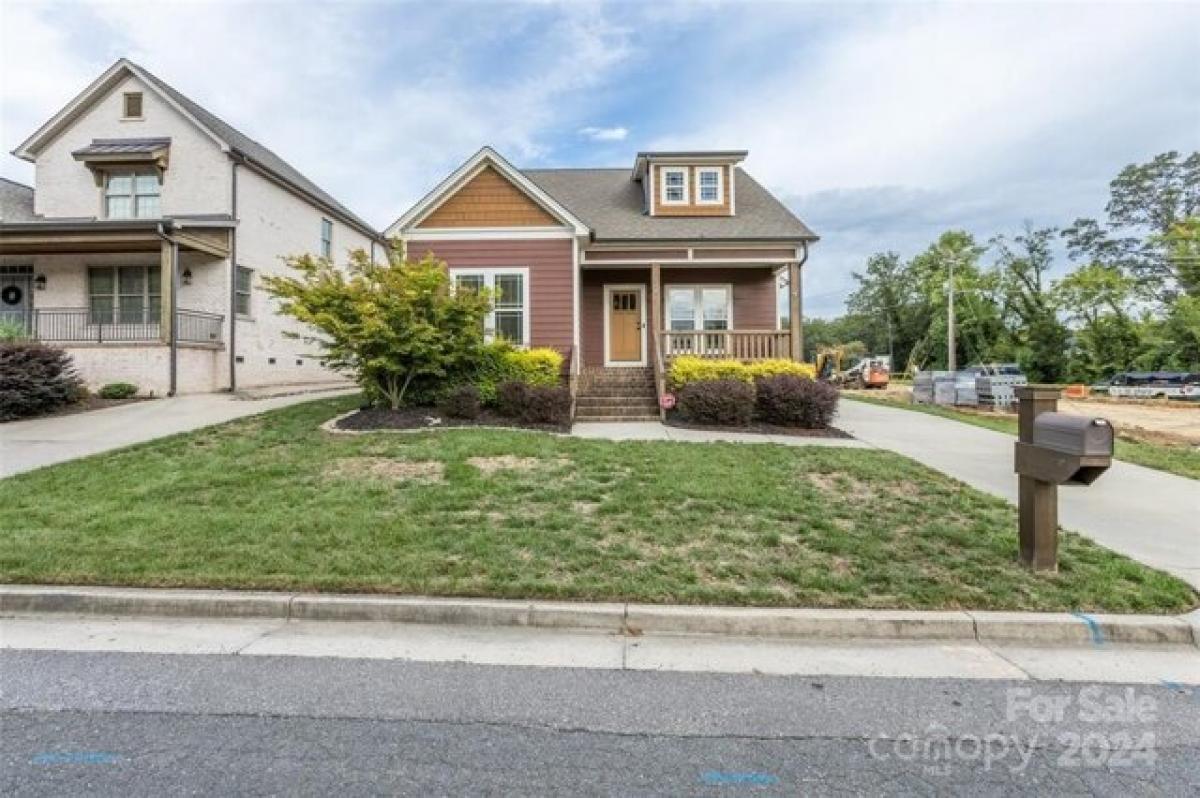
{"x":736,"y":344}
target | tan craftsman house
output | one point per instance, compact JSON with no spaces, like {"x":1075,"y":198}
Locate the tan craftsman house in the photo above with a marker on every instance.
{"x":621,"y":269}
{"x":139,"y":250}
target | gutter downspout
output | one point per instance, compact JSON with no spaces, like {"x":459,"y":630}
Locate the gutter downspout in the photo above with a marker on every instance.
{"x":233,"y":269}
{"x":800,"y":292}
{"x":173,"y":341}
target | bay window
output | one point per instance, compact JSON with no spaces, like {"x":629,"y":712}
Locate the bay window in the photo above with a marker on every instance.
{"x":509,"y":316}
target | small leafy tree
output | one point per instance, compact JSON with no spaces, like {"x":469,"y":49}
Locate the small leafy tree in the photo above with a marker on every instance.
{"x":393,"y":325}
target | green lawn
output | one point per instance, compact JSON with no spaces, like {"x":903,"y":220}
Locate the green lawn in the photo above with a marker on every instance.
{"x":1181,"y":460}
{"x":273,"y":502}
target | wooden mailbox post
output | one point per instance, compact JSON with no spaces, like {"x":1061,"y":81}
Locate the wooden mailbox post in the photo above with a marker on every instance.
{"x":1052,"y":449}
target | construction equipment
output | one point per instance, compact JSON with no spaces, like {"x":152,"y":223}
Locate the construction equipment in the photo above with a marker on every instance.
{"x":868,"y":373}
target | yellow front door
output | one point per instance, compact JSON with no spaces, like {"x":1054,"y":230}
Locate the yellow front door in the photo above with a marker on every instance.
{"x":625,"y":326}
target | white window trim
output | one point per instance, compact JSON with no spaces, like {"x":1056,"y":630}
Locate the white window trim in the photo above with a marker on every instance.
{"x":698,"y":307}
{"x":608,"y":289}
{"x":489,"y":282}
{"x":720,"y":173}
{"x":321,"y":238}
{"x":663,"y":171}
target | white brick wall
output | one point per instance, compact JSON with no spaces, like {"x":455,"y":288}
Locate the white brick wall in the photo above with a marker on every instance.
{"x":197,"y":176}
{"x":148,"y":367}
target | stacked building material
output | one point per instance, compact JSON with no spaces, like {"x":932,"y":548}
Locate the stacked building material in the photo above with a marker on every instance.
{"x":964,"y":388}
{"x":944,"y":387}
{"x":998,"y":390}
{"x":922,"y":391}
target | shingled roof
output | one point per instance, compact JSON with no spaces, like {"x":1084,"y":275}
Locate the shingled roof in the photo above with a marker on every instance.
{"x":16,"y":202}
{"x":612,"y":205}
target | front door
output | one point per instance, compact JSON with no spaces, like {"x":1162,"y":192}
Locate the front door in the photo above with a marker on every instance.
{"x":625,"y":326}
{"x":16,"y":303}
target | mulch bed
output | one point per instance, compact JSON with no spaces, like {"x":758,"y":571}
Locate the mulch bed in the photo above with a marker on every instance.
{"x":673,"y":420}
{"x":432,"y":418}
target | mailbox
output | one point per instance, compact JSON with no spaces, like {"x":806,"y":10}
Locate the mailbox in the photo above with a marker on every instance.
{"x":1075,"y":435}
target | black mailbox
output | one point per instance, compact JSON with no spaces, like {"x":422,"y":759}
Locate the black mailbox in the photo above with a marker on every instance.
{"x":1077,"y":435}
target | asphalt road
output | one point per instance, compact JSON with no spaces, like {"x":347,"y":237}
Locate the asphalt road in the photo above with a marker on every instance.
{"x":154,"y":724}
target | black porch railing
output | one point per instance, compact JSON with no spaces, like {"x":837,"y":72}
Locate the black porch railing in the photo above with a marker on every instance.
{"x":80,"y":325}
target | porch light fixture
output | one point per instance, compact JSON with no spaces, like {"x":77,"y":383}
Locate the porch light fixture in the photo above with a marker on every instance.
{"x":187,"y":276}
{"x":39,"y":282}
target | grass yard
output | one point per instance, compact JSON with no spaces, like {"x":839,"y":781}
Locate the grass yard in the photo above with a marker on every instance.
{"x":1181,"y":460}
{"x":273,"y":502}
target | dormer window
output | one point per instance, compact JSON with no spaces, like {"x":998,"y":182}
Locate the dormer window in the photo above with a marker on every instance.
{"x":675,"y":188}
{"x":131,"y":195}
{"x":709,"y":188}
{"x":133,"y":105}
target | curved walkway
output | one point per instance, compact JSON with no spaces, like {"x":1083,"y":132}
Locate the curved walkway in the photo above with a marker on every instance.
{"x":1149,"y":515}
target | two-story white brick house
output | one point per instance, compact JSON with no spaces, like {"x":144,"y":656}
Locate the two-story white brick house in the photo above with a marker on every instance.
{"x":140,"y":247}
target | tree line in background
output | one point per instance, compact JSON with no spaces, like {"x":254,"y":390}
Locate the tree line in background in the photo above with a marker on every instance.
{"x":1130,"y":302}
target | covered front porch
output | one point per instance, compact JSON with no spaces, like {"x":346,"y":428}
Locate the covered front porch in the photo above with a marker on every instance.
{"x":144,"y":301}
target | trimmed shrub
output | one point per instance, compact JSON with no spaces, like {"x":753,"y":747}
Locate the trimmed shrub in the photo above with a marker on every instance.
{"x":35,"y":379}
{"x":502,"y":362}
{"x":688,"y":369}
{"x":792,"y":401}
{"x":117,"y":390}
{"x":462,"y":401}
{"x":720,"y":402}
{"x":534,"y":404}
{"x":547,"y":404}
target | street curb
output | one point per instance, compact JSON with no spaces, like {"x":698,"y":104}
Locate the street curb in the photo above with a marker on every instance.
{"x":1071,"y":629}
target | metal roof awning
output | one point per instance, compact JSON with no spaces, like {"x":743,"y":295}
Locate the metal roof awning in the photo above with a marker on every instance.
{"x":103,"y":153}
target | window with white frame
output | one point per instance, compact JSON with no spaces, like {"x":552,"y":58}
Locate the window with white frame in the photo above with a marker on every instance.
{"x":699,"y":307}
{"x":509,"y":317}
{"x":709,"y":189}
{"x":131,"y":195}
{"x":241,"y":291}
{"x":326,"y":239}
{"x":674,"y":185}
{"x":124,"y":294}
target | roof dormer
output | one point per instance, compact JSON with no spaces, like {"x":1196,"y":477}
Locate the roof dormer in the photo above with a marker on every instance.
{"x":701,"y":183}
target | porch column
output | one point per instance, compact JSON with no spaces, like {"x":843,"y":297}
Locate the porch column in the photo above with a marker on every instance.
{"x":795,"y":309}
{"x":166,"y":286}
{"x":655,"y":304}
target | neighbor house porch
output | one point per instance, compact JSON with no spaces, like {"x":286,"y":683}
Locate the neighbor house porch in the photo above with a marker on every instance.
{"x":129,"y":302}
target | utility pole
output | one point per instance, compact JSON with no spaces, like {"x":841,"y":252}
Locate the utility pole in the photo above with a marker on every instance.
{"x":951,"y":354}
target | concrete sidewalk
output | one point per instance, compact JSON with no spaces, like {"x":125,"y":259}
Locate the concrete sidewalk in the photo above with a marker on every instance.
{"x":1151,"y":516}
{"x":26,"y":445}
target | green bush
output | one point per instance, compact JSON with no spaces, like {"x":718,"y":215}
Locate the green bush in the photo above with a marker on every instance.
{"x":35,"y":379}
{"x":687,"y":369}
{"x":12,"y":331}
{"x":502,"y":362}
{"x":534,"y":404}
{"x":117,"y":390}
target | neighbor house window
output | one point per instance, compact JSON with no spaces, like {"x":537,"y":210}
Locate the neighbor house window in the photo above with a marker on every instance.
{"x":326,"y":239}
{"x":124,"y":294}
{"x":708,"y":183}
{"x":133,"y":105}
{"x":509,"y":317}
{"x":241,"y":291}
{"x":131,"y":195}
{"x":674,"y":185}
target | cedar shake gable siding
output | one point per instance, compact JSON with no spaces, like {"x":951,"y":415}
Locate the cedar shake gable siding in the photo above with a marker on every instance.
{"x":488,"y":200}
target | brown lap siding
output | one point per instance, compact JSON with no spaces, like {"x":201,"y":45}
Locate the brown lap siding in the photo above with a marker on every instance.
{"x":550,"y":267}
{"x":754,"y":299}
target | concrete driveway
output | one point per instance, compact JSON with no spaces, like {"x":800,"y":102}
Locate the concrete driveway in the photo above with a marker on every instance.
{"x":1149,"y":515}
{"x":26,"y":445}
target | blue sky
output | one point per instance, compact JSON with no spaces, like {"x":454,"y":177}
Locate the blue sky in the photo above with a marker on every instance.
{"x":879,"y":124}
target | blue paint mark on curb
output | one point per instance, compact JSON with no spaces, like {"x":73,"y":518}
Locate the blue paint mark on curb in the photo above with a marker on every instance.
{"x":75,"y":758}
{"x":715,"y":777}
{"x":1093,"y":627}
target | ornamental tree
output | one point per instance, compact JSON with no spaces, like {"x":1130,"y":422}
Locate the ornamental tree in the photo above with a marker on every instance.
{"x":394,"y":325}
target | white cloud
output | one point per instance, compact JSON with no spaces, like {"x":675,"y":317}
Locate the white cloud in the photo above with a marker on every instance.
{"x":605,"y":133}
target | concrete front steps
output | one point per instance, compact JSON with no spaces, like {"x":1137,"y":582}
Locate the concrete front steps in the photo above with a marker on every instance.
{"x":616,"y":394}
